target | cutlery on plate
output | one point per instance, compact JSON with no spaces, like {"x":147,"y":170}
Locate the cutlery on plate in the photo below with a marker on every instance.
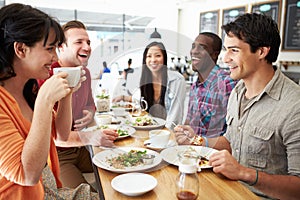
{"x":148,"y":143}
{"x":174,"y":124}
{"x":154,"y":120}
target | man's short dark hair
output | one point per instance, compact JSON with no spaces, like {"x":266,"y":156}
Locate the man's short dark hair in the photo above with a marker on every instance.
{"x":217,"y":41}
{"x":257,"y":30}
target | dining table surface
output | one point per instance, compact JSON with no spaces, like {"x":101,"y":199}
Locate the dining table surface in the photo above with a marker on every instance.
{"x":211,"y":185}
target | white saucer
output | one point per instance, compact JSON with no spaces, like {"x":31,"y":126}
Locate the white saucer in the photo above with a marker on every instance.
{"x":134,"y":184}
{"x":171,"y":143}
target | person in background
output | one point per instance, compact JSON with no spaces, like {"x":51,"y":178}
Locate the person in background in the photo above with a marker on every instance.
{"x":29,"y":166}
{"x":172,"y":65}
{"x":104,"y":70}
{"x":75,"y":51}
{"x":163,"y":89}
{"x":261,"y":146}
{"x":209,"y":94}
{"x":128,"y":69}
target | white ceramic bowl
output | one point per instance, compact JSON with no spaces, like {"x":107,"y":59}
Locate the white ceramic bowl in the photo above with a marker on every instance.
{"x":134,"y":184}
{"x":103,"y":119}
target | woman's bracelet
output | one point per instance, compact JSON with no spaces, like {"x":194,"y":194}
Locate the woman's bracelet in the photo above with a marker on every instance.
{"x":256,"y":179}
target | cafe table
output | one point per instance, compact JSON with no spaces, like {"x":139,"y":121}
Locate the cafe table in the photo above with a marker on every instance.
{"x":212,"y":185}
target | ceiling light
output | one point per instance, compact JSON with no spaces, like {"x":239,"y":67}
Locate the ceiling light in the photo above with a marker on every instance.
{"x":155,"y":35}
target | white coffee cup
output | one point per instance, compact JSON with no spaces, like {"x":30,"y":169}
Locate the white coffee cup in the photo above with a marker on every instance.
{"x":73,"y":74}
{"x":103,"y":119}
{"x":159,"y":138}
{"x":119,"y":111}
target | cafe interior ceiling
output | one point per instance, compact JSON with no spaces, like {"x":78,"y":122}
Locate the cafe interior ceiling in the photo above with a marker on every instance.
{"x":97,"y":15}
{"x":96,"y":21}
{"x":105,"y":15}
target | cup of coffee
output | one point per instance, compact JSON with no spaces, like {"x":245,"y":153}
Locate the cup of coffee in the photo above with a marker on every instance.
{"x":119,"y":111}
{"x":159,"y":138}
{"x":74,"y":74}
{"x":103,"y":119}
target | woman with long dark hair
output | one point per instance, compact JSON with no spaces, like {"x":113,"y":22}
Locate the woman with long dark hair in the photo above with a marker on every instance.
{"x":162,"y":89}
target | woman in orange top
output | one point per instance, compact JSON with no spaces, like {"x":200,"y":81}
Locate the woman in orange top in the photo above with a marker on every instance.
{"x":29,"y":166}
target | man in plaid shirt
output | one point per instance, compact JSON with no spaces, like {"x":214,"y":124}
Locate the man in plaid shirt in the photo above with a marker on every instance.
{"x":209,"y":94}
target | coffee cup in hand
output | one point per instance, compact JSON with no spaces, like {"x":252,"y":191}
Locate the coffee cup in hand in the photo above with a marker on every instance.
{"x":74,"y":74}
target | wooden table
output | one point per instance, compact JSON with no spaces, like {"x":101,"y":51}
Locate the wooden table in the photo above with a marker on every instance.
{"x":212,"y":186}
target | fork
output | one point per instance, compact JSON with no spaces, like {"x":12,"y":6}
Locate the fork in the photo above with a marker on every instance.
{"x":154,"y":120}
{"x":174,"y":124}
{"x":185,"y":132}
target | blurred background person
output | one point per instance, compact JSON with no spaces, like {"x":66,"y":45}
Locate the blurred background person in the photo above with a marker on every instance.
{"x":127,"y":71}
{"x":104,"y":69}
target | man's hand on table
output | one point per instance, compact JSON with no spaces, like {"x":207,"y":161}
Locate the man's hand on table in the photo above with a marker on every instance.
{"x":105,"y":137}
{"x":88,"y":117}
{"x":224,"y":163}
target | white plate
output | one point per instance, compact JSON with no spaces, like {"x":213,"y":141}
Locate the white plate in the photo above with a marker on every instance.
{"x":133,"y":184}
{"x":147,"y":144}
{"x":160,"y":123}
{"x":100,"y":159}
{"x":129,"y":129}
{"x":170,"y":154}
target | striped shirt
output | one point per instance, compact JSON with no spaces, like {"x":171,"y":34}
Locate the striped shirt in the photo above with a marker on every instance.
{"x":208,"y":103}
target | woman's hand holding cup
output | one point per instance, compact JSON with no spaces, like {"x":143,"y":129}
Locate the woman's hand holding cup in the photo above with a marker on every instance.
{"x":54,"y":89}
{"x":75,"y":76}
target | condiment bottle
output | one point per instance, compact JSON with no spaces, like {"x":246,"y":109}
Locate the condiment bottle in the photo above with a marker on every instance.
{"x":187,"y":182}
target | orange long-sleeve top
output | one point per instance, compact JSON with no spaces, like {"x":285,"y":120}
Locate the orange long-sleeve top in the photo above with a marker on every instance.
{"x":13,"y":132}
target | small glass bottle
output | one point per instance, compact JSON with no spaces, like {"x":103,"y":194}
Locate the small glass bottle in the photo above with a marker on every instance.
{"x":187,"y":182}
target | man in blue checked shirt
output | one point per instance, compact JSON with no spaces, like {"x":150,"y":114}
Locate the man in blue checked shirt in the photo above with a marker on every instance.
{"x":209,"y":94}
